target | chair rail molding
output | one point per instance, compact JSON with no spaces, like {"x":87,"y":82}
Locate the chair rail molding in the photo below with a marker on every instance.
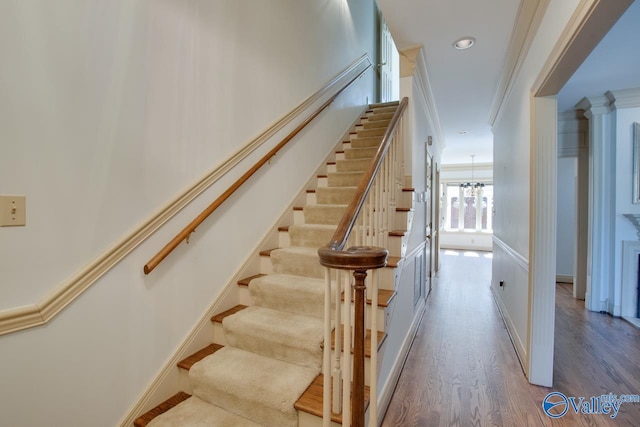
{"x":29,"y":316}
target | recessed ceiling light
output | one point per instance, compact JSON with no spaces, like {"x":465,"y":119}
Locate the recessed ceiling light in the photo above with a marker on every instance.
{"x":463,"y":132}
{"x":464,"y":43}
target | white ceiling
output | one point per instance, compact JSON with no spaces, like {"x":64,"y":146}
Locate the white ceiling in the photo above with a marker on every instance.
{"x":464,"y":82}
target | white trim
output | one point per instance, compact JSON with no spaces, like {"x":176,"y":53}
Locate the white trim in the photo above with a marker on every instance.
{"x":542,"y":240}
{"x":628,"y":285}
{"x":563,"y":278}
{"x":515,"y":255}
{"x":625,"y":98}
{"x":528,"y":19}
{"x":591,"y":20}
{"x":13,"y":320}
{"x":386,"y":393}
{"x":516,"y":340}
{"x":464,"y":167}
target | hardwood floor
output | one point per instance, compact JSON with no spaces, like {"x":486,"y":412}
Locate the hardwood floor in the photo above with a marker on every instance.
{"x":462,"y":369}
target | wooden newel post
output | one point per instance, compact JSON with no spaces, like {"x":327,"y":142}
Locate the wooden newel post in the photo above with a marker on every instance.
{"x":359,"y":259}
{"x":358,"y":407}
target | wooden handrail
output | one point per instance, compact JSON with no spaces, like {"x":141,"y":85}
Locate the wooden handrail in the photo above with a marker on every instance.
{"x":359,"y":259}
{"x":186,"y":232}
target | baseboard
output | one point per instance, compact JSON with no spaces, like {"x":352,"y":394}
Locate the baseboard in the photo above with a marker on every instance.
{"x":389,"y":387}
{"x":561,"y":278}
{"x":520,"y":348}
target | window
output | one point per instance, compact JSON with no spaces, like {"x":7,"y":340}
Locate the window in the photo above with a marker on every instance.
{"x":466,"y":211}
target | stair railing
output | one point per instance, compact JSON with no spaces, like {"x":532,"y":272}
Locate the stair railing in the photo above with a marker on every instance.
{"x":363,"y":231}
{"x":191,"y":227}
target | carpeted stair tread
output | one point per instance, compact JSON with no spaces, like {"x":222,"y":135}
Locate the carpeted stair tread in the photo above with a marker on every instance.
{"x":312,"y":399}
{"x":335,"y":195}
{"x":291,"y":337}
{"x":311,"y":235}
{"x":297,"y":261}
{"x":324,"y":214}
{"x":218,"y":318}
{"x":367,"y":133}
{"x":360,"y":153}
{"x":345,"y":179}
{"x":296,"y":294}
{"x":353,"y":165}
{"x":380,"y":116}
{"x":366,"y":142}
{"x":188,"y":362}
{"x":168,"y":404}
{"x":195,"y":412}
{"x":252,"y":385}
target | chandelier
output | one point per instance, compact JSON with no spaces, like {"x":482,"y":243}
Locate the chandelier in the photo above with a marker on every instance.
{"x":471,"y":187}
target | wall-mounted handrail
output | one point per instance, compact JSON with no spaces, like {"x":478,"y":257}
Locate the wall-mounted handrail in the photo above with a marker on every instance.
{"x":369,"y":214}
{"x":186,"y":232}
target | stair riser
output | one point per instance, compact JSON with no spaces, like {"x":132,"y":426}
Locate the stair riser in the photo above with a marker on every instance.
{"x":283,"y":239}
{"x":403,"y":220}
{"x":366,"y":133}
{"x":406,"y":199}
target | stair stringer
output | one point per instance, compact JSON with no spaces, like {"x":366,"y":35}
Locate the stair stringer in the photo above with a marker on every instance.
{"x":170,"y":380}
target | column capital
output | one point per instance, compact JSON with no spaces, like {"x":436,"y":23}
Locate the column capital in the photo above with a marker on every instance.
{"x":594,"y":105}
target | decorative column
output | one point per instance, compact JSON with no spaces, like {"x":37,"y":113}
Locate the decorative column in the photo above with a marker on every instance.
{"x":601,"y":202}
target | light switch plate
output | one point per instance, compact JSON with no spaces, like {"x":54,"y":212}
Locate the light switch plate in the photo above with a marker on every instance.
{"x":13,"y":211}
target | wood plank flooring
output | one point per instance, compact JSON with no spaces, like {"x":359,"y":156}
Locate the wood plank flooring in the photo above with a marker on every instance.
{"x":462,"y":369}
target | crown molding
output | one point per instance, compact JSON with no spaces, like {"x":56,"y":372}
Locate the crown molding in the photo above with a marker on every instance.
{"x":624,"y":98}
{"x":463,"y":167}
{"x":528,"y":19}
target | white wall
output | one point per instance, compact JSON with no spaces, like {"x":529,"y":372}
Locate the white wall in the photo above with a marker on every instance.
{"x":566,"y":236}
{"x":511,"y":157}
{"x":108,"y":111}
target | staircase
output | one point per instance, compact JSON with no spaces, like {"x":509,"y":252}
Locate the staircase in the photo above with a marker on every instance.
{"x":264,"y":365}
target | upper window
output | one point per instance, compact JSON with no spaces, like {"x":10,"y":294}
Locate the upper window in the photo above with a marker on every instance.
{"x":467,"y":210}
